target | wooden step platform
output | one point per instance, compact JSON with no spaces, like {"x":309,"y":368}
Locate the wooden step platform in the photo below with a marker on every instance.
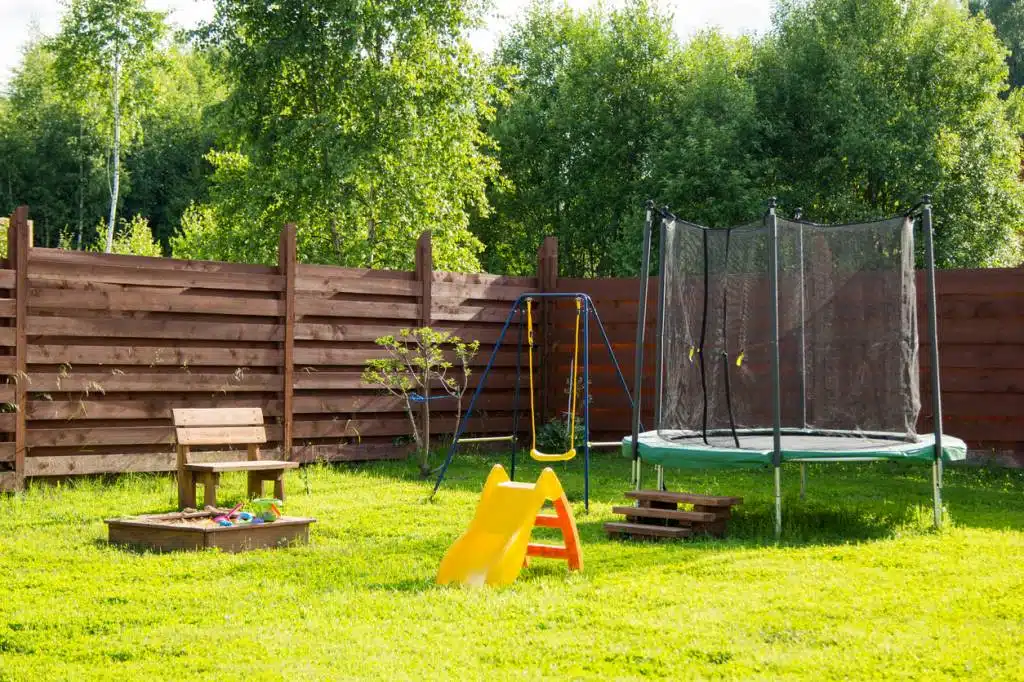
{"x":658,"y":514}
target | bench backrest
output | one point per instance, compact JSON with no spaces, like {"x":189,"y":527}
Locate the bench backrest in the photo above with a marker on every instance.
{"x":219,"y":426}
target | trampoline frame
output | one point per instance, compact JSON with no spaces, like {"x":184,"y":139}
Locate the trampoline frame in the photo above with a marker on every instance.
{"x":771,"y":222}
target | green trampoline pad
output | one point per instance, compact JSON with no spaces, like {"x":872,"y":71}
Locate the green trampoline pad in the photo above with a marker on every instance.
{"x":687,"y":450}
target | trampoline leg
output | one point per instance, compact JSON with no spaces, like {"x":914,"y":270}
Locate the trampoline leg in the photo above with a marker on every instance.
{"x":778,"y":503}
{"x":636,"y":473}
{"x":661,"y":477}
{"x":937,"y":492}
{"x":803,"y":480}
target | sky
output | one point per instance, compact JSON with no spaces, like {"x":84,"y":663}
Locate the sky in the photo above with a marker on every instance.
{"x":20,"y":19}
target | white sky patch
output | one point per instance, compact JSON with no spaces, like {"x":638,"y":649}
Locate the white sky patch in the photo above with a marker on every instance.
{"x":20,"y":20}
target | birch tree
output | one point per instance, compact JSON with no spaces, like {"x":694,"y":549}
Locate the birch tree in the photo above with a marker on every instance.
{"x":105,"y":45}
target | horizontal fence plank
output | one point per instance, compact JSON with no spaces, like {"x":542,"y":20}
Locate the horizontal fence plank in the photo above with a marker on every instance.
{"x":82,"y":464}
{"x":7,"y":335}
{"x":364,"y":428}
{"x":346,"y":452}
{"x":8,"y":278}
{"x":73,"y":299}
{"x":138,"y":408}
{"x":38,"y":256}
{"x":329,"y":286}
{"x":325,"y":307}
{"x":153,"y":356}
{"x":79,"y":275}
{"x":7,"y":452}
{"x":98,"y":383}
{"x":116,"y":435}
{"x":124,"y":328}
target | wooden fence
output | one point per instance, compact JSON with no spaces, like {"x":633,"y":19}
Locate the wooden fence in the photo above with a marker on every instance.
{"x":96,"y":349}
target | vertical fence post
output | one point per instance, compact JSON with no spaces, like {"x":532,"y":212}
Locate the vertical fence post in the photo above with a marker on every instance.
{"x":286,"y":264}
{"x":547,"y":282}
{"x":19,"y":241}
{"x":425,"y":277}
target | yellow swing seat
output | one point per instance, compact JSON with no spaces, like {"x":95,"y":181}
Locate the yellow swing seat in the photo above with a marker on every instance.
{"x":571,"y":452}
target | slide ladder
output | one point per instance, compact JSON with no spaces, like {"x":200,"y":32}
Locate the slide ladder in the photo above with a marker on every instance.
{"x":497,"y":545}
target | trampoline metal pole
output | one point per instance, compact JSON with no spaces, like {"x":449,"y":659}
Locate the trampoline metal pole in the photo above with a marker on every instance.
{"x":638,"y":366}
{"x":659,"y":362}
{"x":773,"y":292}
{"x":933,"y":337}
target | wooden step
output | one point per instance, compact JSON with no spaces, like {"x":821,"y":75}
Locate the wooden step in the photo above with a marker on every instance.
{"x":672,"y":514}
{"x":665,"y":496}
{"x":642,"y":529}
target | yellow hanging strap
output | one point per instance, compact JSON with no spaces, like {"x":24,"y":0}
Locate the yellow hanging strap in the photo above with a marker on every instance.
{"x":571,"y":452}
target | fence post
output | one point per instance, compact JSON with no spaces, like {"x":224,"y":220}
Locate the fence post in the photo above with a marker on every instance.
{"x":19,"y":241}
{"x":547,"y":281}
{"x":286,"y":263}
{"x":425,"y":276}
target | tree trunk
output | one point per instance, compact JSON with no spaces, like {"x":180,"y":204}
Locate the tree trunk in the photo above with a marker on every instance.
{"x":81,"y":181}
{"x":425,"y":455}
{"x":117,"y":152}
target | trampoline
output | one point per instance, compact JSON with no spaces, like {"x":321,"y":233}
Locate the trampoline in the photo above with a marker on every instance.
{"x":788,"y":341}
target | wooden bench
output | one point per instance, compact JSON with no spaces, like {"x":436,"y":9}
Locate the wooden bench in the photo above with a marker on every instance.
{"x":223,"y":426}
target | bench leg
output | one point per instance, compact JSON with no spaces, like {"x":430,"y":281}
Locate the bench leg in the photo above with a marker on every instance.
{"x":186,"y":489}
{"x":210,"y":482}
{"x":255,"y":485}
{"x":279,"y":486}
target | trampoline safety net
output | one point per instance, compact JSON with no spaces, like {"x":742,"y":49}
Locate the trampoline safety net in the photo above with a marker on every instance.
{"x":848,"y":339}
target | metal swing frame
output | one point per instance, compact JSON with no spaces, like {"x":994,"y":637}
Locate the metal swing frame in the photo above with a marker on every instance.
{"x":518,"y":308}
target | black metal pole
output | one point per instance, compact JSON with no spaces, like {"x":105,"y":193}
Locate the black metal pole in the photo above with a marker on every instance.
{"x":638,"y":366}
{"x":515,"y":397}
{"x":773,"y":293}
{"x":933,"y":337}
{"x":659,"y":361}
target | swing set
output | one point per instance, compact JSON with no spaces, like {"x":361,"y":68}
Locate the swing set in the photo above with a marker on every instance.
{"x":523,"y":309}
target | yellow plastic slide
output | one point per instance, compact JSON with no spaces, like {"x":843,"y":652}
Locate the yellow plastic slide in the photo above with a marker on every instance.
{"x":495,"y":547}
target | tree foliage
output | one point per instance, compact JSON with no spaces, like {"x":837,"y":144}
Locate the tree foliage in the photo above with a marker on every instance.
{"x":1008,"y":18}
{"x":105,"y":46}
{"x":358,"y":121}
{"x":851,"y":109}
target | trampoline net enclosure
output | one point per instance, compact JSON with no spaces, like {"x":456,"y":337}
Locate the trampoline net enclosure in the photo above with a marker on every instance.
{"x":848,"y":339}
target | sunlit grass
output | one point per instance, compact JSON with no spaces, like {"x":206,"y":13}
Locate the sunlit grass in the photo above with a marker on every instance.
{"x":859,"y":588}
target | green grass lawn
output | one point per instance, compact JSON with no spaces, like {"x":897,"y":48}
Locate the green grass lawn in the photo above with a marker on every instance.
{"x":859,"y":588}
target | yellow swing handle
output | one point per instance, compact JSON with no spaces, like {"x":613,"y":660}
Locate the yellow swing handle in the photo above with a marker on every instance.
{"x":571,"y":452}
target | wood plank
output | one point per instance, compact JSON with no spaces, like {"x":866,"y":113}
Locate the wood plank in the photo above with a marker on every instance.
{"x":447,"y":310}
{"x":97,"y":383}
{"x":140,"y":407}
{"x":666,"y":496}
{"x":81,"y":464}
{"x":170,"y":355}
{"x":8,"y":279}
{"x":287,"y":264}
{"x":619,"y":528}
{"x":115,"y":435}
{"x":324,"y":307}
{"x":73,"y":299}
{"x":7,"y":451}
{"x":354,"y":331}
{"x":322,"y":286}
{"x":346,"y":452}
{"x":984,"y":282}
{"x":8,"y":364}
{"x":311,"y":356}
{"x":8,"y":394}
{"x":8,"y":337}
{"x":222,"y":416}
{"x":19,"y":246}
{"x":260,"y":465}
{"x":958,"y":380}
{"x":365,"y":428}
{"x":654,"y":513}
{"x":220,"y":435}
{"x":59,"y":257}
{"x":487,"y":292}
{"x":77,"y":275}
{"x":8,"y":307}
{"x":461,"y":279}
{"x":341,"y":272}
{"x":151,"y":329}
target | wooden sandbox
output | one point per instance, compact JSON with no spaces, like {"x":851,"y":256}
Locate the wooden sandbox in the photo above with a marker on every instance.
{"x":196,"y":530}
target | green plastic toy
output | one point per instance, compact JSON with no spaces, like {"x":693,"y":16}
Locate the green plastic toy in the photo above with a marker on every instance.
{"x":267,"y":508}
